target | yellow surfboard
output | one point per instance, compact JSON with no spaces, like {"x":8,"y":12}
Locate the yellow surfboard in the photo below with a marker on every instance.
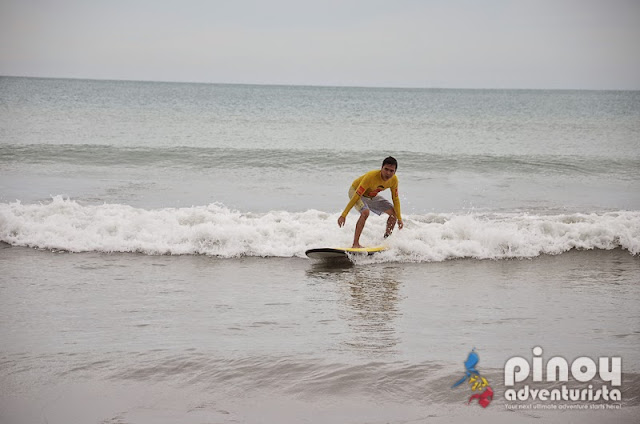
{"x":342,"y":252}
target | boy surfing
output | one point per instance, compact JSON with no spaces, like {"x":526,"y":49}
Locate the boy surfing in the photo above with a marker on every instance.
{"x":363,"y":194}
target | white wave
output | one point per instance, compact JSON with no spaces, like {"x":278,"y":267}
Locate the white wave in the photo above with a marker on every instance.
{"x":64,"y":224}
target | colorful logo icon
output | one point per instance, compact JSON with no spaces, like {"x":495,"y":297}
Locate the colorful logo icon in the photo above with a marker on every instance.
{"x":476,"y":381}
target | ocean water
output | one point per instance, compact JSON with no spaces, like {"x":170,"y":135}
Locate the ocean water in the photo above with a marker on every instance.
{"x":153,"y":239}
{"x":231,"y":170}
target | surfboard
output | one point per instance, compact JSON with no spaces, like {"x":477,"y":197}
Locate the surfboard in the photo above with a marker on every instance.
{"x":342,"y":252}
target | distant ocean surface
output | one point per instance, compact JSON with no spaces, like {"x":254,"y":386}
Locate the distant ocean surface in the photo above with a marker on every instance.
{"x":241,"y":170}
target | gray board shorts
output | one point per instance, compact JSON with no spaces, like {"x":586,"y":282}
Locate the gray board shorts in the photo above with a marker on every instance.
{"x":377,"y":204}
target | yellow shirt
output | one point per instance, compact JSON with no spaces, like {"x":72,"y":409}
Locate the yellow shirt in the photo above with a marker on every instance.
{"x":369,"y":185}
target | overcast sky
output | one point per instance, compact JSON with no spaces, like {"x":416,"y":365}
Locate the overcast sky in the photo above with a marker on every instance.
{"x":584,"y":44}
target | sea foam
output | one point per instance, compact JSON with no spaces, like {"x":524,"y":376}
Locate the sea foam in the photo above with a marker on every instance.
{"x":215,"y":230}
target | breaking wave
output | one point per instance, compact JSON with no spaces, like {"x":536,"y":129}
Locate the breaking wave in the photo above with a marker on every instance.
{"x":215,"y":230}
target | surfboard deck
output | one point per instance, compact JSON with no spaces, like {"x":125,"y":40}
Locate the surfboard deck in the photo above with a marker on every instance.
{"x":341,"y":252}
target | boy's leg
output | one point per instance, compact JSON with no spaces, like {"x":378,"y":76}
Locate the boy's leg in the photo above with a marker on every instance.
{"x":364,"y":214}
{"x":391,"y":222}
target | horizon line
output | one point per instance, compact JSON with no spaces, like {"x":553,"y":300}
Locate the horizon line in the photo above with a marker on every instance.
{"x":398,"y":87}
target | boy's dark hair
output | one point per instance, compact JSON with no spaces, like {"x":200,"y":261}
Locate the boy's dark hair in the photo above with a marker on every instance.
{"x":390,"y":161}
